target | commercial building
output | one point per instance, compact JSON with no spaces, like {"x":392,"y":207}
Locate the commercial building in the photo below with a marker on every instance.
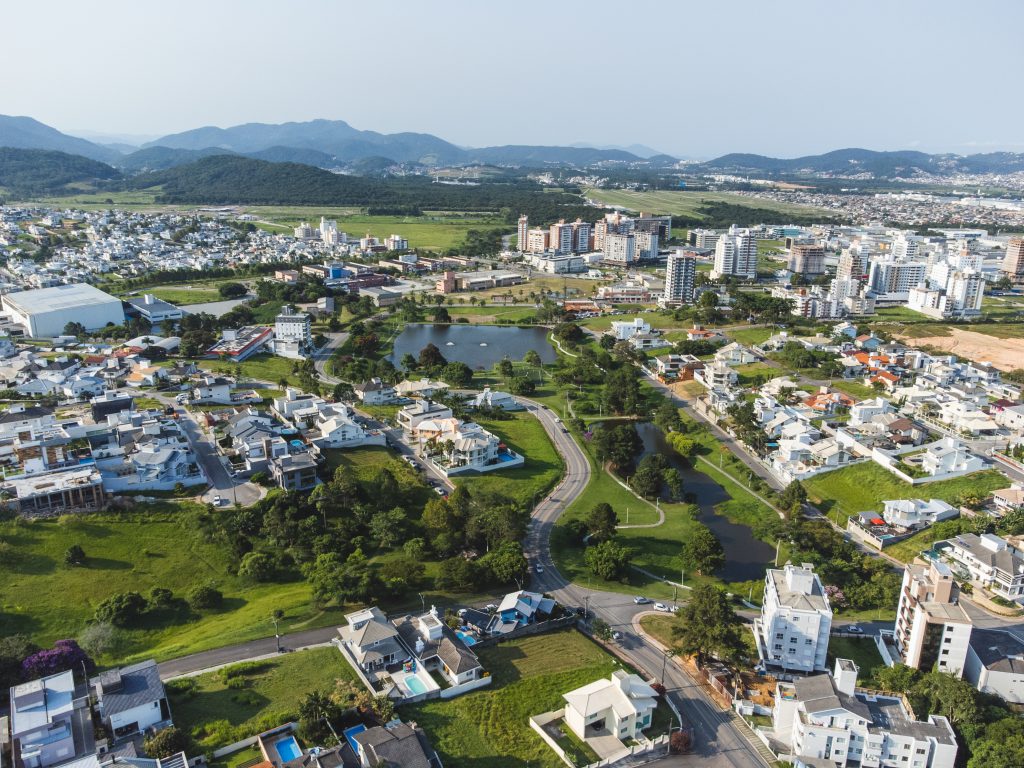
{"x":735,"y":255}
{"x":795,"y":621}
{"x":807,"y":259}
{"x":153,"y":309}
{"x":239,"y":344}
{"x":932,"y":630}
{"x":824,"y":720}
{"x":680,"y":277}
{"x":44,"y":312}
{"x":1013,"y":261}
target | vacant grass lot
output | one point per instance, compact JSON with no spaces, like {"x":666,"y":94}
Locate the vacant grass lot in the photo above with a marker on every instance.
{"x":863,"y":653}
{"x":524,"y":434}
{"x":680,"y":203}
{"x":157,"y":546}
{"x":489,"y":726}
{"x":218,"y":715}
{"x":865,"y":486}
{"x":262,"y":367}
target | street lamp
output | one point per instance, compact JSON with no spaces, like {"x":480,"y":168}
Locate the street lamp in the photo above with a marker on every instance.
{"x":275,"y":617}
{"x":423,"y":602}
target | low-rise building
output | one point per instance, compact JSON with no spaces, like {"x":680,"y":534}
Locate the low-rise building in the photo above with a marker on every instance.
{"x":375,"y":392}
{"x":44,"y":721}
{"x":294,"y":472}
{"x":910,"y":514}
{"x":987,"y":560}
{"x":395,"y":744}
{"x":995,"y":664}
{"x":621,"y":706}
{"x":131,"y":700}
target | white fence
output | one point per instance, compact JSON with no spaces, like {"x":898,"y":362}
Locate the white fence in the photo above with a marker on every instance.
{"x":472,"y":685}
{"x":537,"y":723}
{"x":231,"y":748}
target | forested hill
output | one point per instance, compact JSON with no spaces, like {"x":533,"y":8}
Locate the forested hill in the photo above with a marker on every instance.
{"x":231,"y":179}
{"x":28,"y":171}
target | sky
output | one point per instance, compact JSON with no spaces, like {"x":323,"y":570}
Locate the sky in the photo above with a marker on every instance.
{"x":694,"y":79}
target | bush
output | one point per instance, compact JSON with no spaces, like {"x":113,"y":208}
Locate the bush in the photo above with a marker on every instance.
{"x":205,"y":597}
{"x":65,"y":654}
{"x":98,"y":639}
{"x":185,"y":687}
{"x":74,"y":555}
{"x":121,"y":609}
{"x":168,"y":742}
{"x":258,"y":566}
{"x":159,"y":597}
{"x":679,"y":742}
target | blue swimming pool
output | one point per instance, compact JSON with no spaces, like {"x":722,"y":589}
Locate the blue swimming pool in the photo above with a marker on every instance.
{"x":415,"y":685}
{"x":465,"y":637}
{"x":287,"y":749}
{"x":351,"y":733}
{"x":504,"y":457}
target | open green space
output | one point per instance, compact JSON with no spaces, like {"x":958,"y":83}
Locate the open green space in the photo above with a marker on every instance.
{"x":490,"y":726}
{"x":863,"y":487}
{"x":679,"y":203}
{"x":854,"y":389}
{"x":261,"y":366}
{"x":160,"y":545}
{"x":860,"y":650}
{"x":748,"y":336}
{"x":218,"y":712}
{"x":525,"y":435}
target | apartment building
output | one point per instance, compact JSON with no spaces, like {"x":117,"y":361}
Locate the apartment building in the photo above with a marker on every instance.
{"x":1013,"y":261}
{"x":522,"y":232}
{"x":736,"y":255}
{"x":795,"y":621}
{"x":807,"y":259}
{"x":680,"y":277}
{"x":620,"y":249}
{"x":932,"y":631}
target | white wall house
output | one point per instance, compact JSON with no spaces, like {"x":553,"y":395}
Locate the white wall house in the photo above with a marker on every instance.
{"x":989,"y":560}
{"x":624,"y":330}
{"x":131,"y":699}
{"x":949,"y":455}
{"x":621,"y":706}
{"x":995,"y":664}
{"x":823,"y":719}
{"x":916,"y":513}
{"x":795,"y":621}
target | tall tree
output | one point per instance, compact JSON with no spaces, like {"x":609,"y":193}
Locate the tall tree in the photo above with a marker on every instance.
{"x":702,"y":551}
{"x":708,"y":626}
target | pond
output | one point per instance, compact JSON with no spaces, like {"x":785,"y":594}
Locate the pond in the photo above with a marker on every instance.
{"x":745,"y":555}
{"x":478,"y":346}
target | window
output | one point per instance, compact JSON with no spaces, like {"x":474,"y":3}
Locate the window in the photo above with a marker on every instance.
{"x":778,"y":647}
{"x":778,"y":635}
{"x":945,"y":651}
{"x":808,"y":641}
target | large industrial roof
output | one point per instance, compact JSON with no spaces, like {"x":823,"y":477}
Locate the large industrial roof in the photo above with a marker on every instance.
{"x":58,"y":297}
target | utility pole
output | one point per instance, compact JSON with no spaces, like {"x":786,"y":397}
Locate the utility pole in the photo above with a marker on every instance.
{"x":586,"y":607}
{"x":777,"y":543}
{"x":682,"y":577}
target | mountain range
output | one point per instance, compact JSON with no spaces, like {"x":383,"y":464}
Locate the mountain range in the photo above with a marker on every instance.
{"x":335,"y":144}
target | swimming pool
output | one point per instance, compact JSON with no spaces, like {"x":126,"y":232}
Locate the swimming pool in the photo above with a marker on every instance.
{"x":287,"y":749}
{"x":414,"y":684}
{"x":465,"y":637}
{"x":351,"y":733}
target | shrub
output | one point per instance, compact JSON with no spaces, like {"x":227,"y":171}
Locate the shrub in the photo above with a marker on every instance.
{"x":205,"y":597}
{"x":74,"y":555}
{"x":159,"y":597}
{"x":100,"y":638}
{"x":185,"y":687}
{"x":237,"y":683}
{"x":258,"y":566}
{"x":169,"y":741}
{"x":65,"y":654}
{"x":121,"y":609}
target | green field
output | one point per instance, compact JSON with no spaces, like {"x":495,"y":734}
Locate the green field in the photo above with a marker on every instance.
{"x":863,"y":487}
{"x":217,"y":715}
{"x":860,"y":650}
{"x":183,"y":296}
{"x":543,"y":467}
{"x":157,"y":546}
{"x":490,"y":726}
{"x":262,"y":367}
{"x":680,"y":203}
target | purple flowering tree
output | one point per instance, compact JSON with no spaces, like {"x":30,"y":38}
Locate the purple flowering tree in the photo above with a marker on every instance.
{"x":65,"y":654}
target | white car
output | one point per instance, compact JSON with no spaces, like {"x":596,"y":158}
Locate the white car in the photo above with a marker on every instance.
{"x":661,"y":607}
{"x":538,"y":568}
{"x":641,"y":600}
{"x":216,"y":500}
{"x":855,"y":630}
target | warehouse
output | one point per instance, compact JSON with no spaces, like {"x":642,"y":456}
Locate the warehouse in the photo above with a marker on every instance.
{"x":44,"y":313}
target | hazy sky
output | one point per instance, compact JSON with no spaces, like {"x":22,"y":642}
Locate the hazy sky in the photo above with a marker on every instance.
{"x":691,"y":78}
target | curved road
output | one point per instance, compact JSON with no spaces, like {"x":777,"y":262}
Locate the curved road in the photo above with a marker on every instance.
{"x":717,"y":739}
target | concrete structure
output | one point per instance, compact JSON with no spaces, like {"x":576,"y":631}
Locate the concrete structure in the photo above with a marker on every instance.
{"x":43,"y":721}
{"x":131,"y":700}
{"x":795,"y":621}
{"x":53,"y":493}
{"x":242,"y":343}
{"x":807,"y":259}
{"x":988,"y":560}
{"x":824,"y":721}
{"x":995,"y":664}
{"x":932,"y":630}
{"x":621,"y":706}
{"x":155,"y":310}
{"x":916,"y":513}
{"x":620,"y":249}
{"x":736,"y":255}
{"x":680,"y":277}
{"x":624,"y":330}
{"x":1013,"y":261}
{"x":293,"y":333}
{"x":45,"y":312}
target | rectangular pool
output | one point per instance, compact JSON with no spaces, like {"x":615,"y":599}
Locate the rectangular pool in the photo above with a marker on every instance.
{"x":351,"y":733}
{"x":287,"y":749}
{"x":465,"y":637}
{"x":415,"y":685}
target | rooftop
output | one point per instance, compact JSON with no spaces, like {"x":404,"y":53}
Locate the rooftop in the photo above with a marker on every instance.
{"x":59,"y":297}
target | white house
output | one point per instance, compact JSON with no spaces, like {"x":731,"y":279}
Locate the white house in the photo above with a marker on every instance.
{"x":375,"y":392}
{"x":864,"y":411}
{"x":42,"y":715}
{"x":410,"y":416}
{"x":621,"y":706}
{"x":995,"y":664}
{"x":916,"y":513}
{"x":949,"y":455}
{"x":131,"y":700}
{"x":717,"y":375}
{"x":735,"y":353}
{"x":372,"y":642}
{"x":824,"y":720}
{"x":796,"y":618}
{"x":989,"y":560}
{"x":490,"y":398}
{"x":420,"y":388}
{"x":624,"y":330}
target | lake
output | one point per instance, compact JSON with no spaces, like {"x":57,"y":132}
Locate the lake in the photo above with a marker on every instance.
{"x":478,"y":346}
{"x":745,"y":556}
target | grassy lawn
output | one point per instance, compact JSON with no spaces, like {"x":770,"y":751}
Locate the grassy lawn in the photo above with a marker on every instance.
{"x":181,"y":296}
{"x":680,"y":203}
{"x":482,"y":315}
{"x":854,"y":389}
{"x":530,"y":675}
{"x":749,"y":336}
{"x":748,"y":373}
{"x":659,"y":627}
{"x":262,"y":366}
{"x":157,"y":546}
{"x":865,"y":486}
{"x":218,"y":715}
{"x":861,"y":651}
{"x":543,"y":467}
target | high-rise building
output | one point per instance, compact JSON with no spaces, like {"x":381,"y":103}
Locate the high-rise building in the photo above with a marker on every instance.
{"x":646,"y":245}
{"x":795,"y":621}
{"x":680,"y":275}
{"x":660,"y":225}
{"x":905,"y":246}
{"x":892,"y":277}
{"x":304,"y":231}
{"x":581,"y":236}
{"x":965,"y":290}
{"x":620,"y":249}
{"x":328,"y":231}
{"x":521,"y":236}
{"x":703,"y":238}
{"x":932,"y":630}
{"x":396,"y":243}
{"x":736,"y":254}
{"x":807,"y":259}
{"x":1013,"y":261}
{"x":561,"y":239}
{"x":537,"y":240}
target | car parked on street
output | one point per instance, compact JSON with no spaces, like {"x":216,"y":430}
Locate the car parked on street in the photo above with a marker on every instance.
{"x":641,"y":600}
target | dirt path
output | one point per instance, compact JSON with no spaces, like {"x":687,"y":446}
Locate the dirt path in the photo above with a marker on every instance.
{"x":1004,"y":354}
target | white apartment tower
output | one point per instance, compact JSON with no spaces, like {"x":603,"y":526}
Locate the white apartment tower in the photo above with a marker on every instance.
{"x":561,"y":239}
{"x":291,"y":325}
{"x":932,"y":630}
{"x":328,"y":231}
{"x":581,"y":236}
{"x":619,"y":249}
{"x":795,"y":621}
{"x":646,"y":244}
{"x":680,"y":275}
{"x":736,"y":254}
